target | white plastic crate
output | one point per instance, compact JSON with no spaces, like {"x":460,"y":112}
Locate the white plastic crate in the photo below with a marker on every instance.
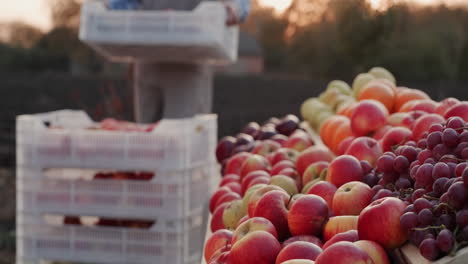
{"x":168,"y":241}
{"x":171,"y":194}
{"x":173,"y":145}
{"x":200,"y":35}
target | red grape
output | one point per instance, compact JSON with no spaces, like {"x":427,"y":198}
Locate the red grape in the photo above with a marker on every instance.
{"x":448,"y":221}
{"x":424,"y":174}
{"x":433,"y":139}
{"x":381,"y":194}
{"x":385,"y":163}
{"x":409,"y":208}
{"x":418,"y":194}
{"x":439,"y":151}
{"x":422,"y":143}
{"x":438,"y":185}
{"x":441,"y":170}
{"x":436,"y":127}
{"x":463,"y":136}
{"x":410,"y":153}
{"x":428,"y":249}
{"x":465,"y":177}
{"x":424,"y":155}
{"x":464,"y":234}
{"x":462,"y":218}
{"x":457,"y":195}
{"x":445,"y":240}
{"x":401,"y":164}
{"x":420,"y":204}
{"x":455,"y":122}
{"x":450,"y":137}
{"x":402,"y":183}
{"x":425,"y":217}
{"x":390,"y":176}
{"x":459,"y":168}
{"x":408,"y":221}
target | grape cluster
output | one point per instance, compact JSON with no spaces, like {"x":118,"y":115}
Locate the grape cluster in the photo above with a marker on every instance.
{"x":431,"y":175}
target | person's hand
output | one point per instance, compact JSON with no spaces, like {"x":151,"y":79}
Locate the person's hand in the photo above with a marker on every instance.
{"x":231,"y":16}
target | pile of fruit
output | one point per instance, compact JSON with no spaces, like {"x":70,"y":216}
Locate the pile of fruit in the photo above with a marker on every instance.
{"x":389,"y":169}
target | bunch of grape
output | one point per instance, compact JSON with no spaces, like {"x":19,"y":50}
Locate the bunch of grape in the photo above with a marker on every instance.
{"x":432,"y":176}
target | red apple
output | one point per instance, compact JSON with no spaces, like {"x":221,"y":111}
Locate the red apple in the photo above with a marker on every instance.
{"x":423,"y":124}
{"x":217,"y":240}
{"x":299,"y":141}
{"x":307,"y":215}
{"x":350,"y":236}
{"x":460,"y":110}
{"x":283,"y":154}
{"x":234,"y":163}
{"x":217,"y":218}
{"x":351,"y":198}
{"x":234,"y":186}
{"x":242,"y":220}
{"x":229,"y":178}
{"x":396,"y":136}
{"x":307,"y":238}
{"x":299,"y":261}
{"x":258,"y":194}
{"x":344,"y":145}
{"x":225,"y":147}
{"x":298,"y":250}
{"x":311,"y":155}
{"x":380,"y":222}
{"x":249,"y":178}
{"x":273,"y":206}
{"x":279,"y":166}
{"x":314,"y":171}
{"x":344,"y":169}
{"x":445,"y":105}
{"x":381,"y":132}
{"x":253,"y":163}
{"x":291,"y":173}
{"x":252,"y":225}
{"x":255,"y":248}
{"x":368,"y":116}
{"x":365,"y":148}
{"x":374,"y":250}
{"x":215,"y":197}
{"x":339,"y":224}
{"x":230,"y":196}
{"x":279,"y":139}
{"x":233,"y":213}
{"x":266,"y":147}
{"x":344,"y":252}
{"x":326,"y":190}
{"x":286,"y":183}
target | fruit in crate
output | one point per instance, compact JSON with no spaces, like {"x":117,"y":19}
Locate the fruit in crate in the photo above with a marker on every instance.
{"x":343,"y":252}
{"x":351,"y":198}
{"x":298,"y":250}
{"x":383,"y":212}
{"x":255,"y":247}
{"x":217,"y":241}
{"x":307,"y":215}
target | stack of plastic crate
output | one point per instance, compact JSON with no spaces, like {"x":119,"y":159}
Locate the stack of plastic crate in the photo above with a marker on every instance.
{"x":63,"y":198}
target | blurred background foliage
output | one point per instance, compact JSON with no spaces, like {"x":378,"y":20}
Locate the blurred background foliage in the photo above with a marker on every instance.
{"x":324,"y":39}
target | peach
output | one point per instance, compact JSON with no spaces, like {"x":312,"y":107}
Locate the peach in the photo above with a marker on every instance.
{"x":379,"y":91}
{"x":404,"y":95}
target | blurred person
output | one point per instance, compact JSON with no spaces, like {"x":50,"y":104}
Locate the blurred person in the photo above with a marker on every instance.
{"x":237,"y":10}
